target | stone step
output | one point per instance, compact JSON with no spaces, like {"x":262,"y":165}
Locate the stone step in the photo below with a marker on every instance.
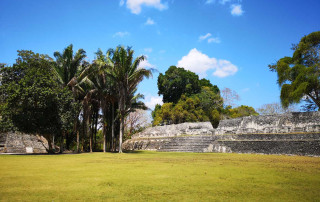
{"x":188,"y":144}
{"x":180,"y":150}
{"x":15,"y":150}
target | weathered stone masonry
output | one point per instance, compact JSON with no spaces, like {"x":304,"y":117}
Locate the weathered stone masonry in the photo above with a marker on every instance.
{"x":293,"y":133}
{"x":15,"y":142}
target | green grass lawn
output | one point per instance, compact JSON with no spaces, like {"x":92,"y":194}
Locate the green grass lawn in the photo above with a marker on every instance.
{"x":156,"y":176}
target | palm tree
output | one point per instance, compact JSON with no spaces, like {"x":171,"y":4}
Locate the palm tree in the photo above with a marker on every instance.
{"x":108,"y":91}
{"x":125,"y":72}
{"x":68,"y":65}
{"x":97,"y":88}
{"x":86,"y":92}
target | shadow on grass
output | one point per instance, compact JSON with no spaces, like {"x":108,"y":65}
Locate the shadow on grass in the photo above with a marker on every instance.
{"x":134,"y":152}
{"x":55,"y":154}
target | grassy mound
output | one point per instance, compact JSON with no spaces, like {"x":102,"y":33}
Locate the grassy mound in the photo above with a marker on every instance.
{"x":156,"y":176}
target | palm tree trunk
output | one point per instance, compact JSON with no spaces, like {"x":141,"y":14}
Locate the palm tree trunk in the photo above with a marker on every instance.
{"x":61,"y":142}
{"x":95,"y":130}
{"x":103,"y":106}
{"x":104,"y":135}
{"x":76,"y":130}
{"x":112,"y":128}
{"x":121,"y":134}
{"x":90,"y":135}
{"x":122,"y":113}
{"x":78,"y":141}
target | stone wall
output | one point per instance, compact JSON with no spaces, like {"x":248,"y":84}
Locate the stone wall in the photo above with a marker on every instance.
{"x":297,"y":144}
{"x":286,"y":123}
{"x":200,"y":128}
{"x":293,"y":133}
{"x":15,"y":142}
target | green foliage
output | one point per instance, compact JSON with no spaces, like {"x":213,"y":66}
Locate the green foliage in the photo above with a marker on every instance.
{"x":155,"y":111}
{"x":32,"y":98}
{"x":40,"y":95}
{"x":124,"y":71}
{"x":186,"y":98}
{"x":215,"y":118}
{"x":177,"y":81}
{"x":68,"y":65}
{"x":240,"y":111}
{"x":197,"y":108}
{"x":206,"y":83}
{"x":299,"y":75}
{"x":164,"y":114}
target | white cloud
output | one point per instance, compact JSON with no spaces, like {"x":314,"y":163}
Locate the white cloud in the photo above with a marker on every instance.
{"x":236,"y":10}
{"x":149,"y":22}
{"x":121,"y":2}
{"x":224,"y":1}
{"x":151,"y":101}
{"x":209,"y":38}
{"x":225,"y":68}
{"x":220,"y":1}
{"x":214,"y":40}
{"x":145,"y":64}
{"x":148,"y":50}
{"x":200,"y":63}
{"x":210,"y":1}
{"x":121,"y":34}
{"x":201,"y":38}
{"x":135,"y":5}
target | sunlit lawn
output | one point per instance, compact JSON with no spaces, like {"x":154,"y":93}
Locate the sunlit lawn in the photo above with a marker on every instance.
{"x":159,"y":176}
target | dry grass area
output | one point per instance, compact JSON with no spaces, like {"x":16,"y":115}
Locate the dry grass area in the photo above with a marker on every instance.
{"x":156,"y":176}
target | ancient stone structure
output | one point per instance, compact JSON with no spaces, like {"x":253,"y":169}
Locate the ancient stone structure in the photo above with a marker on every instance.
{"x":293,"y":133}
{"x":286,"y":123}
{"x":15,"y":142}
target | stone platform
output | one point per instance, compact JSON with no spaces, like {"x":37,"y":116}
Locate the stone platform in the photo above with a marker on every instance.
{"x":294,"y":133}
{"x":15,"y":142}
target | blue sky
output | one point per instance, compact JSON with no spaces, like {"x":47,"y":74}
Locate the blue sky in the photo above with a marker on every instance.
{"x":229,"y":42}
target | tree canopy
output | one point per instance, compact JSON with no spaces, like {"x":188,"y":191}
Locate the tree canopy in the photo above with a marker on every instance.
{"x":299,"y":75}
{"x":240,"y":111}
{"x":186,"y":98}
{"x":177,"y":81}
{"x":34,"y":101}
{"x":67,"y":98}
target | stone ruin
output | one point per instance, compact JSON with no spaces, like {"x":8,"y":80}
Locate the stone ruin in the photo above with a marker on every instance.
{"x":21,"y":143}
{"x":293,"y":133}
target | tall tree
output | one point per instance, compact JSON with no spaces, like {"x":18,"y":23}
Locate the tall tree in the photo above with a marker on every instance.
{"x":127,"y":74}
{"x":107,"y":90}
{"x":68,"y":64}
{"x":299,"y":75}
{"x":176,"y":82}
{"x":34,"y":101}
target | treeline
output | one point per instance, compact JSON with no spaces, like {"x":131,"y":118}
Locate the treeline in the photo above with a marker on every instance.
{"x":190,"y":99}
{"x":66,"y":99}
